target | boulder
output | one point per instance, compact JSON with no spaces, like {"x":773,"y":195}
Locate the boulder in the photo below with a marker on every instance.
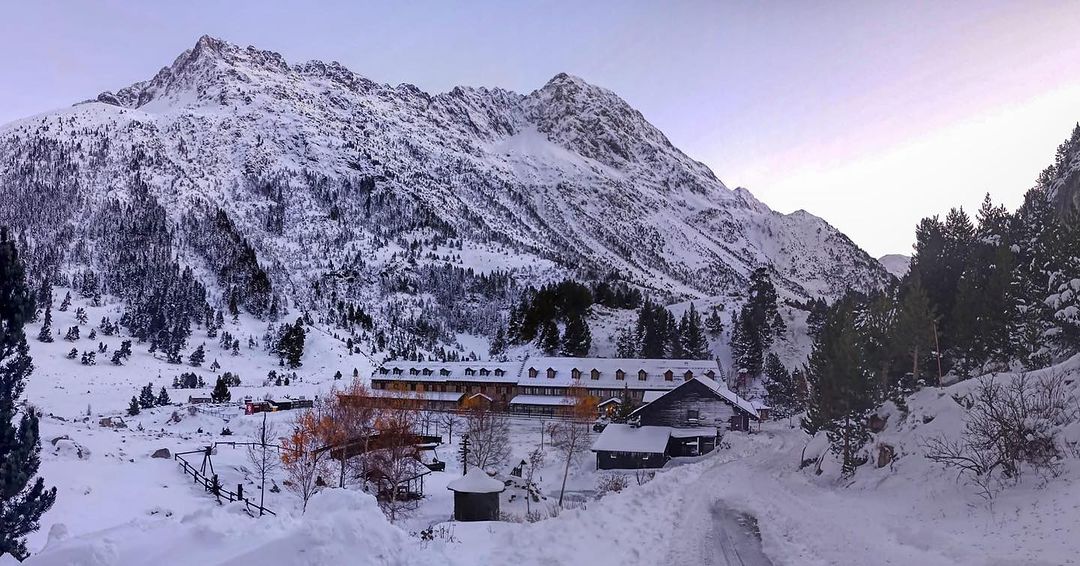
{"x":886,"y":454}
{"x":877,"y":423}
{"x":162,"y":453}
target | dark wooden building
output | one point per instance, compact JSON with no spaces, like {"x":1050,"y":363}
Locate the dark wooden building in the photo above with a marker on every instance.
{"x":684,"y":422}
{"x":698,"y":402}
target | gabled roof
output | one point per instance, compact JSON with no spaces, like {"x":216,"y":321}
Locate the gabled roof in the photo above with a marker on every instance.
{"x":719,"y":389}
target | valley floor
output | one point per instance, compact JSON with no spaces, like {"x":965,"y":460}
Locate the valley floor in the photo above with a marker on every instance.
{"x":119,"y":506}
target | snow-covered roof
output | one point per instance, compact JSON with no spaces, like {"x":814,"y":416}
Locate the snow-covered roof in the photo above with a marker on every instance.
{"x":651,"y":396}
{"x":562,"y":374}
{"x":547,"y":400}
{"x":476,"y":480}
{"x":615,"y":400}
{"x":720,"y":389}
{"x":626,"y":438}
{"x":730,"y":395}
{"x":607,"y":369}
{"x":494,"y":372}
{"x":694,"y":431}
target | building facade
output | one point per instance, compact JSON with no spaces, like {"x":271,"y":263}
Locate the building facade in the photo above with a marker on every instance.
{"x":537,"y":386}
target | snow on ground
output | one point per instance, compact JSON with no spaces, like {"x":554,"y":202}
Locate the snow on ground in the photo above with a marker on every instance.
{"x":118,"y":505}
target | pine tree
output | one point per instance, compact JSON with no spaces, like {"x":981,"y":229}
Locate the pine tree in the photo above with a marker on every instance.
{"x":221,"y":393}
{"x":162,"y":398}
{"x":146,"y":396}
{"x":45,"y":335}
{"x":782,"y":391}
{"x":747,"y":351}
{"x":714,"y":323}
{"x":912,"y":336}
{"x":841,"y":387}
{"x":80,"y":315}
{"x":23,"y":498}
{"x":198,"y":356}
{"x":692,"y":336}
{"x":498,"y":344}
{"x":549,"y":337}
{"x":577,"y":338}
{"x":72,"y":334}
{"x":66,"y":303}
{"x":133,"y":407}
{"x":626,"y":345}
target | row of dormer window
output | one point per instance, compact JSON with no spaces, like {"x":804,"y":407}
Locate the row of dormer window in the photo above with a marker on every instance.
{"x":499,"y":372}
{"x":619,"y":374}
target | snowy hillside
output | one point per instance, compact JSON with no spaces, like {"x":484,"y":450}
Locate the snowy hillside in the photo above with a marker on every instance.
{"x":348,"y":189}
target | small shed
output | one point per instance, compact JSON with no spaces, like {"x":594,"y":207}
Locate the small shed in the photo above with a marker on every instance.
{"x":476,"y":496}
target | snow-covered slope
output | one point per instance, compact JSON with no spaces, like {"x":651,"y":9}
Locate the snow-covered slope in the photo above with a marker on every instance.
{"x":335,"y":180}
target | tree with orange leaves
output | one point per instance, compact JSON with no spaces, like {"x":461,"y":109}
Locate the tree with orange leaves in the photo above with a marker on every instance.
{"x":303,"y":455}
{"x":571,"y":435}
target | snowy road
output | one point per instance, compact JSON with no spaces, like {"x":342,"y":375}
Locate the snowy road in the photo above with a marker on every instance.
{"x":734,"y":539}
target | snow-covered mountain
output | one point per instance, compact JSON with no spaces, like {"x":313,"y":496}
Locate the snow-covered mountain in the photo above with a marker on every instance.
{"x":343,"y":188}
{"x":896,"y":264}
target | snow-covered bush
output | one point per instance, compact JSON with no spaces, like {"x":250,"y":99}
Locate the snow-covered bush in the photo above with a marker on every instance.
{"x":1010,"y":426}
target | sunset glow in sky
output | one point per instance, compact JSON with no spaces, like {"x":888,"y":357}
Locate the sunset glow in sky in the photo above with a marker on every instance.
{"x":868,"y":114}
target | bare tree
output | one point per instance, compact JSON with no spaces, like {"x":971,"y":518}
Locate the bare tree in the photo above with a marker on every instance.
{"x":536,"y":460}
{"x":263,"y":456}
{"x":395,"y":463}
{"x":571,"y":436}
{"x":489,"y":436}
{"x":449,"y":420}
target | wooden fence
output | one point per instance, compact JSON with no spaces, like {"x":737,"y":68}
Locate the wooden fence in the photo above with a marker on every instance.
{"x":217,"y":490}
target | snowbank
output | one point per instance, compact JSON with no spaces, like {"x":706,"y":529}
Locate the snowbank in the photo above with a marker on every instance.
{"x":340,"y":527}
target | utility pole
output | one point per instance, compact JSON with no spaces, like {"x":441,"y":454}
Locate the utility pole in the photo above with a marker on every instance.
{"x":463,"y":452}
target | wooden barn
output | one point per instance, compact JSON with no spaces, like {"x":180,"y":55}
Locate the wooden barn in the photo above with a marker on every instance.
{"x":698,"y":402}
{"x":683,"y":422}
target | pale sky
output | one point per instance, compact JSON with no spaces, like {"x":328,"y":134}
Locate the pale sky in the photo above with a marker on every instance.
{"x":868,"y":114}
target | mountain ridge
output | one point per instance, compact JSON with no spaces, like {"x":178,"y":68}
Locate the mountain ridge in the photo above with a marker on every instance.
{"x":321,"y":170}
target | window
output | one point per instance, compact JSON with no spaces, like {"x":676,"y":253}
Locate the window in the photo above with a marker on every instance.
{"x":444,"y":372}
{"x":620,"y":375}
{"x":669,"y":375}
{"x":710,"y":374}
{"x":470,"y":371}
{"x":551,"y":373}
{"x":384,"y":371}
{"x":397,"y":371}
{"x":642,"y":375}
{"x":485,"y":371}
{"x":692,"y":414}
{"x":688,"y":375}
{"x":413,"y":371}
{"x":575,"y":373}
{"x":499,"y":372}
{"x":533,"y":372}
{"x":427,"y":371}
{"x":427,"y":387}
{"x":595,"y":374}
